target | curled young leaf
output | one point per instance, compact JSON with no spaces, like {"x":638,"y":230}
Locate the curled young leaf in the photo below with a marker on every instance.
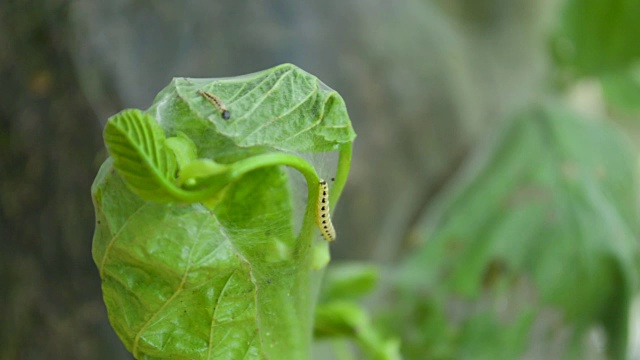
{"x":137,"y":144}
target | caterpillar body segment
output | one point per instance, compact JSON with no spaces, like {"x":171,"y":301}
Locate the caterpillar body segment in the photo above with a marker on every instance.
{"x":215,"y":101}
{"x":323,"y":217}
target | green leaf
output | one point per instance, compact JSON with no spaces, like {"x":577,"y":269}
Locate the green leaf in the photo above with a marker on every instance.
{"x":227,"y":265}
{"x":547,"y":219}
{"x":137,"y":144}
{"x":348,"y":319}
{"x":349,"y":281}
{"x":598,"y":36}
{"x":338,"y":316}
{"x":622,"y":90}
{"x":486,"y":336}
{"x":181,"y":281}
{"x":283,"y":108}
{"x":183,"y":148}
{"x":173,"y":282}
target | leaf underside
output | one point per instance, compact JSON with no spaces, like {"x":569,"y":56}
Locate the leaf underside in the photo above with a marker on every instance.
{"x":283,"y":108}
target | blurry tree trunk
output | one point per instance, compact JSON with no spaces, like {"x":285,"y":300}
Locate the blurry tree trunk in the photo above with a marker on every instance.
{"x":49,"y":137}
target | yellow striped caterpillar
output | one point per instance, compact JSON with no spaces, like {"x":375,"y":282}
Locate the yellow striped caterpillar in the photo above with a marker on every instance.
{"x":323,"y":218}
{"x":215,"y":101}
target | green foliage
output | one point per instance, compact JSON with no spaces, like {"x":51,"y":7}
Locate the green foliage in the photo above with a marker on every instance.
{"x":138,"y":146}
{"x":282,"y":108}
{"x":621,"y":90}
{"x":200,"y":256}
{"x":546,"y":223}
{"x":349,"y":281}
{"x":339,"y":316}
{"x":183,"y":148}
{"x":348,"y":319}
{"x":598,"y":36}
{"x":536,"y":242}
{"x":195,"y":237}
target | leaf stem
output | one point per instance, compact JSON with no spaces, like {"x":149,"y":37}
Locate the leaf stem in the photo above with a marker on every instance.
{"x":344,"y":164}
{"x":242,"y":167}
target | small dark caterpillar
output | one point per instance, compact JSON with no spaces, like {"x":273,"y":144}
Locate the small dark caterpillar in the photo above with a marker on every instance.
{"x":217,"y":103}
{"x":323,"y":218}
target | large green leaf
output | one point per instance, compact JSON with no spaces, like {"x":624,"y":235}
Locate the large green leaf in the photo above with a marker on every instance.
{"x":597,"y":36}
{"x":545,"y":222}
{"x":179,"y":284}
{"x":204,"y":257}
{"x":282,"y":108}
{"x":169,"y":274}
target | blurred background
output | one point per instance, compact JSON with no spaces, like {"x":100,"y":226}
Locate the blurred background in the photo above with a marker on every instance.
{"x":494,"y":176}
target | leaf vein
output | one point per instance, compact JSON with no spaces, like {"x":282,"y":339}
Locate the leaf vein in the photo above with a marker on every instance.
{"x":173,"y":296}
{"x":113,"y":239}
{"x":215,"y":311}
{"x":271,"y":121}
{"x":252,"y":90}
{"x":263,"y":98}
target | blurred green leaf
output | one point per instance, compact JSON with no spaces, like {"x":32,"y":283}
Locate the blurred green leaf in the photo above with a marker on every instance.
{"x":545,"y":221}
{"x":348,"y":319}
{"x":485,"y":336}
{"x":192,"y":278}
{"x":622,"y":89}
{"x":598,"y":36}
{"x":349,"y":280}
{"x":339,"y":316}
